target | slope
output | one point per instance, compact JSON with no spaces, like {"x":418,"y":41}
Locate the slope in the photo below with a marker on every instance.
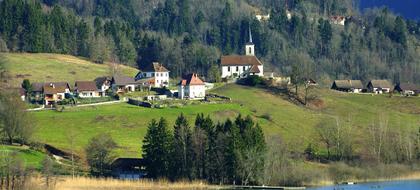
{"x":55,"y":67}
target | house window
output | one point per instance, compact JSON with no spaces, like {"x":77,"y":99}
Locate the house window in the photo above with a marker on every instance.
{"x":153,"y":74}
{"x":237,"y":68}
{"x":228,"y":69}
{"x":244,"y":68}
{"x":250,"y":50}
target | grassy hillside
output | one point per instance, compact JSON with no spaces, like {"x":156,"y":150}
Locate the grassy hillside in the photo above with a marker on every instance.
{"x":55,"y":67}
{"x":31,"y":158}
{"x":294,"y":124}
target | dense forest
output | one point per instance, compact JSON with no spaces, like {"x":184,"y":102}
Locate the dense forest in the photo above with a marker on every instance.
{"x":191,"y":35}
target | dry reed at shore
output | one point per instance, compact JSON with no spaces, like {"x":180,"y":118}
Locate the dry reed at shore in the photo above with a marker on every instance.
{"x":85,"y":183}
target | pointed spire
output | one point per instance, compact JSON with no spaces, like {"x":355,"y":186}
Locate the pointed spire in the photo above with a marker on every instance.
{"x":250,"y":35}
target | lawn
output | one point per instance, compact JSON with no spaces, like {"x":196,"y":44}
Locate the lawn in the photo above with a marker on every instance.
{"x":278,"y":117}
{"x":31,"y":158}
{"x":43,"y":67}
{"x":127,"y":124}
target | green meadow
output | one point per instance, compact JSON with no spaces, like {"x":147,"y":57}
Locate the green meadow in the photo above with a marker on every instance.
{"x":44,"y":67}
{"x":30,"y":158}
{"x":279,"y":118}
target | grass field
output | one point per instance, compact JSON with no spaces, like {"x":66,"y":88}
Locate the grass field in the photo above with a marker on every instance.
{"x":31,"y":158}
{"x":55,"y":67}
{"x":127,"y":124}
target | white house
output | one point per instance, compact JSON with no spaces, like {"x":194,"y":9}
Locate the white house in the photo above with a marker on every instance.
{"x":157,"y":72}
{"x":261,"y":17}
{"x":103,"y":84}
{"x":379,"y":86}
{"x":191,"y":87}
{"x":86,"y":89}
{"x":338,"y":20}
{"x":240,"y":66}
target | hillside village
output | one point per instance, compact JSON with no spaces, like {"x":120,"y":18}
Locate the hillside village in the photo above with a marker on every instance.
{"x":191,"y":87}
{"x":178,"y":92}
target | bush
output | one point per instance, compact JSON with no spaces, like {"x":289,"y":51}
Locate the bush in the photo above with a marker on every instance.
{"x":252,"y":80}
{"x":267,"y":117}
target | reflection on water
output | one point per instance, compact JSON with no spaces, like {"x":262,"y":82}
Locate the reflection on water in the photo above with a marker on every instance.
{"x":393,"y":185}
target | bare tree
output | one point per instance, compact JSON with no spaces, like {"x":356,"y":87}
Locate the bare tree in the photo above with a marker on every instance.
{"x":378,"y":133}
{"x":17,"y":124}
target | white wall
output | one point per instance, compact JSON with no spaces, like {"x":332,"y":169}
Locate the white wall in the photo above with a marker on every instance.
{"x":227,"y":73}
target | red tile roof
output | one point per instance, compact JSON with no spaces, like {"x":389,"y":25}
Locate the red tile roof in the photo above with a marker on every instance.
{"x":240,"y":60}
{"x":254,"y":69}
{"x":191,"y":79}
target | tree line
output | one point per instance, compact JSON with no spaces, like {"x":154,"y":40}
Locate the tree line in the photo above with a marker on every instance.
{"x":189,"y":36}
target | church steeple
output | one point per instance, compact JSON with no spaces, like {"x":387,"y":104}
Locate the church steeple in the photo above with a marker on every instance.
{"x":250,"y":47}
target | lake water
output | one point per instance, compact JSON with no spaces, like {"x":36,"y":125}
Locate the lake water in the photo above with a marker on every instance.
{"x":392,"y":185}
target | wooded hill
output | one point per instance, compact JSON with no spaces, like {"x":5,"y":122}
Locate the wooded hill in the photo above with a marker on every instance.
{"x":188,"y":35}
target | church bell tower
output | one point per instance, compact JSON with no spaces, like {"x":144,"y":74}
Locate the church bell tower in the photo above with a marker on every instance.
{"x":250,"y":47}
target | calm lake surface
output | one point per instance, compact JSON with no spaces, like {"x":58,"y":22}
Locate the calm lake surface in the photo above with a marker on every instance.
{"x":392,"y":185}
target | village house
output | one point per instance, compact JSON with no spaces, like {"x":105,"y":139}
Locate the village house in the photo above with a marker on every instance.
{"x":86,"y":89}
{"x":354,"y":86}
{"x":261,"y":17}
{"x":338,"y":20}
{"x":37,"y":90}
{"x":123,"y":84}
{"x":241,"y":66}
{"x":407,"y":89}
{"x":103,"y":84}
{"x":157,"y":74}
{"x":379,"y":86}
{"x":55,"y":92}
{"x":191,"y":87}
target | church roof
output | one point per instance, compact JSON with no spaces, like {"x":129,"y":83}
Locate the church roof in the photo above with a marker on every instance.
{"x":254,"y":69}
{"x":232,"y":60}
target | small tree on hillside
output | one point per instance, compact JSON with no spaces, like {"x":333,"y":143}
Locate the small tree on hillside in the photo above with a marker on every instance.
{"x":99,"y":154}
{"x":182,"y":146}
{"x":16,"y":123}
{"x":26,"y":84}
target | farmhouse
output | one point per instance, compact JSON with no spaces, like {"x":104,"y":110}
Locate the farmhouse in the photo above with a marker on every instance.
{"x":191,"y":87}
{"x":157,"y":73}
{"x":338,"y":20}
{"x":407,"y":89}
{"x":379,"y":86}
{"x":261,"y":17}
{"x":103,"y":84}
{"x":55,"y":92}
{"x":123,"y":84}
{"x":354,"y":86}
{"x":86,"y":89}
{"x":240,"y":66}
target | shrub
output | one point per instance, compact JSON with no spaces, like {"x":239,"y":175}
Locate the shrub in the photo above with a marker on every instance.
{"x":267,"y":117}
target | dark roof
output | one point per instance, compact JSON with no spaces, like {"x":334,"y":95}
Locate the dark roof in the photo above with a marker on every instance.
{"x":348,"y":84}
{"x":101,"y":80}
{"x":240,"y":60}
{"x":380,"y":84}
{"x":85,"y":86}
{"x":127,"y":163}
{"x":407,"y":86}
{"x":191,"y":79}
{"x":37,"y":86}
{"x":123,"y":80}
{"x":155,"y":67}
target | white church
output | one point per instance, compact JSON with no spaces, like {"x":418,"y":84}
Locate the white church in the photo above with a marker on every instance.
{"x":241,"y":66}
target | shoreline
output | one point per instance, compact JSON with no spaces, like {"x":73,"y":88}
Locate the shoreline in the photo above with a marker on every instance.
{"x":409,"y":177}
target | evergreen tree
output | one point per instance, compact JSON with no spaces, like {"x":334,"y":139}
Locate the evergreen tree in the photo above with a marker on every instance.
{"x":182,"y":149}
{"x":157,"y":149}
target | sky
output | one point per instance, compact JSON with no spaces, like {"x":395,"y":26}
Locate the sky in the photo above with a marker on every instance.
{"x":407,"y":8}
